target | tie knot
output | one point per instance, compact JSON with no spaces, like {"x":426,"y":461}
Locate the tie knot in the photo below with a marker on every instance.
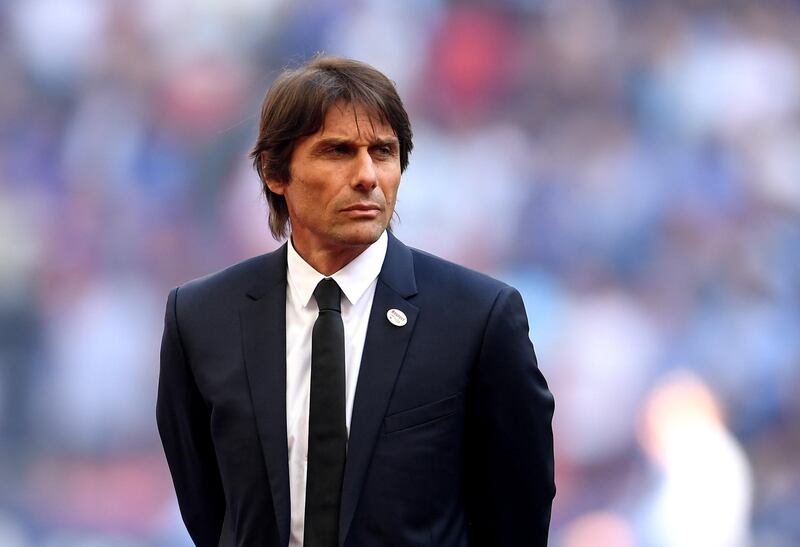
{"x":328,"y":295}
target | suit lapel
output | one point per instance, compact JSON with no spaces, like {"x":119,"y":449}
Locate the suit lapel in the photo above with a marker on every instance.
{"x":384,"y":351}
{"x":263,"y":324}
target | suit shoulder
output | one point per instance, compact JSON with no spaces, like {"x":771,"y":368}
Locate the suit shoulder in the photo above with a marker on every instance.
{"x":231,"y":283}
{"x":451,"y":276}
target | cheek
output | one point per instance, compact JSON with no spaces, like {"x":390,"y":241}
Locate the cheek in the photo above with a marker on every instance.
{"x":307,"y":195}
{"x":391,"y":183}
{"x":391,"y":192}
{"x":304,"y":205}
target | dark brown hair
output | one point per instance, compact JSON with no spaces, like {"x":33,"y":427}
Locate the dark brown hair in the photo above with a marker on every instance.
{"x":296,"y":105}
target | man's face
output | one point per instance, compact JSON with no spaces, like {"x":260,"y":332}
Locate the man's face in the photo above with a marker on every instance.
{"x":343,"y":182}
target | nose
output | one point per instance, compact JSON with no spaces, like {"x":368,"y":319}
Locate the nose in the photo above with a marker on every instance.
{"x":365,"y":177}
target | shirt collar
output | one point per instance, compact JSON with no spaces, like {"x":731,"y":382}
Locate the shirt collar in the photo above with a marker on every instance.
{"x":353,"y":279}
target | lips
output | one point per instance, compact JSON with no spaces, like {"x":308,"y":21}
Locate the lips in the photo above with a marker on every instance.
{"x":363,"y":207}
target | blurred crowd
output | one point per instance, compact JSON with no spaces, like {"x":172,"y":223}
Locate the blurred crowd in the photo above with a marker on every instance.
{"x":632,"y":166}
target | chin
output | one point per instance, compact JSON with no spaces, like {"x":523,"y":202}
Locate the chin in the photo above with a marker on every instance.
{"x":363,"y":235}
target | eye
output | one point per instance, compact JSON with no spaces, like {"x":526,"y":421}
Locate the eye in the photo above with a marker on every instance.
{"x":385,"y":150}
{"x":338,"y":149}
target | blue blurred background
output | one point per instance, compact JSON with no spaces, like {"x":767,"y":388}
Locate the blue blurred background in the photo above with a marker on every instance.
{"x":633,"y":167}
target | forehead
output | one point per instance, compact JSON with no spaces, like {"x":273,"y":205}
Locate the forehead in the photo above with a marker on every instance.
{"x":351,"y":121}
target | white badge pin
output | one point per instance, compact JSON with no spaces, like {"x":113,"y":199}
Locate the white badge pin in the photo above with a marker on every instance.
{"x":396,"y":317}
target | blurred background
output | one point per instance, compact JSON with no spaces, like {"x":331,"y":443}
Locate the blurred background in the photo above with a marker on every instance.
{"x":632,"y":166}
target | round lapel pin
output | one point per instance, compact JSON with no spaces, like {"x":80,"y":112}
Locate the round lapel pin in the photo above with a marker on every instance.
{"x":396,"y":317}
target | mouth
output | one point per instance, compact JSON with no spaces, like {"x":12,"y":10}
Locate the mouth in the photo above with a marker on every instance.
{"x":363,"y":211}
{"x":363,"y":207}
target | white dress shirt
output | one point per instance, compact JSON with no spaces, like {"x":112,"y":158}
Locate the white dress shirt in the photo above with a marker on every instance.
{"x":357,"y":280}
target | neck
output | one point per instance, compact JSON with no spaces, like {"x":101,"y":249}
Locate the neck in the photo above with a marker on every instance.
{"x":329,"y":261}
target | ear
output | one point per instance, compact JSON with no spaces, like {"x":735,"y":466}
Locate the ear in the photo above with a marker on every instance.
{"x":276,"y":187}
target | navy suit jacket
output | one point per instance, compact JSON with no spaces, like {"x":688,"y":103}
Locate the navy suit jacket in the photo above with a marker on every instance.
{"x":450,"y":441}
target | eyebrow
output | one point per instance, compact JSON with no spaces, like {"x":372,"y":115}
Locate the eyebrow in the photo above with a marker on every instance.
{"x":336,"y":141}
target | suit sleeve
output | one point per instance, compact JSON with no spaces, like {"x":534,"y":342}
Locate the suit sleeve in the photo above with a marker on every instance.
{"x":184,"y":426}
{"x":510,"y":476}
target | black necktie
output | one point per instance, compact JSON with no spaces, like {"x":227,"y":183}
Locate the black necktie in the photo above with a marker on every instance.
{"x":327,"y":432}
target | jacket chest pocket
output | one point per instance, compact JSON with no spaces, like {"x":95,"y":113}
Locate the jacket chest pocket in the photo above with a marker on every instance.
{"x":421,"y":415}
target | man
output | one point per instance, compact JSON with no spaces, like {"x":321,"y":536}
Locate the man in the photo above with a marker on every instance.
{"x":346,"y":390}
